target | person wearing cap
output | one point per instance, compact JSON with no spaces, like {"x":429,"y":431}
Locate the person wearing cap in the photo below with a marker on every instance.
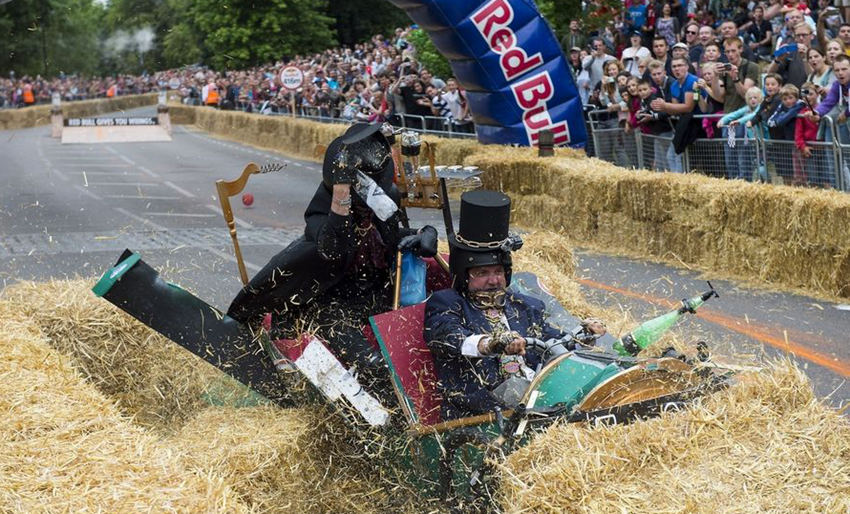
{"x":634,"y":54}
{"x":330,"y":280}
{"x":485,"y":339}
{"x":681,"y":50}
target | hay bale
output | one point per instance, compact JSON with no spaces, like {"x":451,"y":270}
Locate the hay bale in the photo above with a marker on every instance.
{"x":14,"y":119}
{"x":152,"y":379}
{"x":303,"y":459}
{"x":64,"y":447}
{"x":764,"y":445}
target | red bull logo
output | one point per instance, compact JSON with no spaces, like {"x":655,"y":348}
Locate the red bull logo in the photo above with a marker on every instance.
{"x":493,"y":23}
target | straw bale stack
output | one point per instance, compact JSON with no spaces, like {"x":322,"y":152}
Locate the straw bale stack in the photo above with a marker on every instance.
{"x":786,"y":236}
{"x":300,"y":459}
{"x":152,"y":379}
{"x":64,"y":447}
{"x":764,"y":445}
{"x":13,"y":119}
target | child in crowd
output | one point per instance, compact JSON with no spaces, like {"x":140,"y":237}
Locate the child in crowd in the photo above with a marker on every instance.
{"x":781,"y":127}
{"x":633,"y":103}
{"x":772,"y":85}
{"x":807,"y":161}
{"x":649,"y":121}
{"x":744,"y":151}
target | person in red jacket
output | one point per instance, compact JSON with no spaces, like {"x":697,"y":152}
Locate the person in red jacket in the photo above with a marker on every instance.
{"x":807,"y":160}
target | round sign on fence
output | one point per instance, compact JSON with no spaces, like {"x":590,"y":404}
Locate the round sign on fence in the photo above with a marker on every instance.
{"x":291,"y":78}
{"x":174,"y":83}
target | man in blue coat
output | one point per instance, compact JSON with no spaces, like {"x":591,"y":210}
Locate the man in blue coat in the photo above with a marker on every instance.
{"x":483,"y":337}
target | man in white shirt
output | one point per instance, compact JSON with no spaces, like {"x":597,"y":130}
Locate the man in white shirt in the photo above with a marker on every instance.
{"x":634,"y":54}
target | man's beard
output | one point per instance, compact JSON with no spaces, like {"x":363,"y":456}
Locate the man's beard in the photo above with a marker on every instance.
{"x":488,"y":298}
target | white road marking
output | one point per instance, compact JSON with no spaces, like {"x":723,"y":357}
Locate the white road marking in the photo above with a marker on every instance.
{"x":137,"y":197}
{"x":120,"y":156}
{"x":179,"y":189}
{"x":92,"y":158}
{"x":95,"y":165}
{"x":113,"y":173}
{"x":140,"y":219}
{"x":238,"y":221}
{"x":180,"y":214}
{"x":86,"y":192}
{"x":148,"y":172}
{"x":133,"y":184}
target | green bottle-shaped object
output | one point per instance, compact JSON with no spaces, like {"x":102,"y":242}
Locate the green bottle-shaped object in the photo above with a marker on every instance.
{"x":650,"y":331}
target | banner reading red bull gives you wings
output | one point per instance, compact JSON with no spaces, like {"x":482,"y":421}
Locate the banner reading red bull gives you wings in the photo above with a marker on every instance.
{"x":507,"y":58}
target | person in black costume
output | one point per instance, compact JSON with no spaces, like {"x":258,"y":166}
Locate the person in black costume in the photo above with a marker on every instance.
{"x":329,"y":281}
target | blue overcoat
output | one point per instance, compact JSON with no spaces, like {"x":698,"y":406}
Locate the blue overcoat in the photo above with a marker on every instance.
{"x":466,"y":382}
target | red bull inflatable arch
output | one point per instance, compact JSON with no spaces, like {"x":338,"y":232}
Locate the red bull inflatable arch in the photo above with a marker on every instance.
{"x":507,"y":58}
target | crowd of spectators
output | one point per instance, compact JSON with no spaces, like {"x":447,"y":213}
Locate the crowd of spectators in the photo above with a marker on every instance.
{"x":380,"y":80}
{"x":677,"y":70}
{"x":681,"y":70}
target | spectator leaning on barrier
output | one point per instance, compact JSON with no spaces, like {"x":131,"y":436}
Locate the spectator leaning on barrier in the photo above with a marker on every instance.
{"x":808,"y":159}
{"x":681,"y":98}
{"x":837,"y":97}
{"x":665,"y":155}
{"x":781,"y":127}
{"x":681,"y":103}
{"x":455,"y":98}
{"x":654,"y":123}
{"x":741,"y":158}
{"x":608,"y":98}
{"x":707,"y":103}
{"x":772,"y":85}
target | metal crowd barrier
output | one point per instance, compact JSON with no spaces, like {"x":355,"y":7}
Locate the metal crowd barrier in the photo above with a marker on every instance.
{"x":427,"y":124}
{"x":752,"y":158}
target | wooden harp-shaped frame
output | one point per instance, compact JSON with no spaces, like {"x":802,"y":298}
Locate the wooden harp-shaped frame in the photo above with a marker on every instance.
{"x":226,"y":189}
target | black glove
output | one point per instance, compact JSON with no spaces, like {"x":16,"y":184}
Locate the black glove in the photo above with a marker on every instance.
{"x":343,"y":170}
{"x":422,"y":244}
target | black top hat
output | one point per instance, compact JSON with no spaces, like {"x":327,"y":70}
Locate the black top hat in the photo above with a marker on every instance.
{"x":485,"y":218}
{"x":359,"y":132}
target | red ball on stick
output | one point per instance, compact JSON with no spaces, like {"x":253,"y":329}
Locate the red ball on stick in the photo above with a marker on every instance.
{"x":247,"y":199}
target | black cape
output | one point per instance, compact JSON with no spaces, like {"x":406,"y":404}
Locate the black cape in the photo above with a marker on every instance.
{"x":316,"y":262}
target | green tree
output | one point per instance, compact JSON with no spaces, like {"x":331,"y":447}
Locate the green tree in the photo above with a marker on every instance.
{"x":237,"y":33}
{"x":180,"y":47}
{"x":356,"y":21}
{"x":49,"y":36}
{"x":428,"y":55}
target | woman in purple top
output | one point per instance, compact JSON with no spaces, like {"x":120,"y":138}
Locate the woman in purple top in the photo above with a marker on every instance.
{"x":667,"y":26}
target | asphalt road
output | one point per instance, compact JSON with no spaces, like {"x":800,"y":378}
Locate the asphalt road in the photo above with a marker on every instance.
{"x":70,"y":210}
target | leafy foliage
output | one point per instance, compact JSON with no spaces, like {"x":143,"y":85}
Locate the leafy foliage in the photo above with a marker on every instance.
{"x":49,"y":36}
{"x":242,"y":33}
{"x":358,"y":20}
{"x":427,"y":54}
{"x":133,"y":36}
